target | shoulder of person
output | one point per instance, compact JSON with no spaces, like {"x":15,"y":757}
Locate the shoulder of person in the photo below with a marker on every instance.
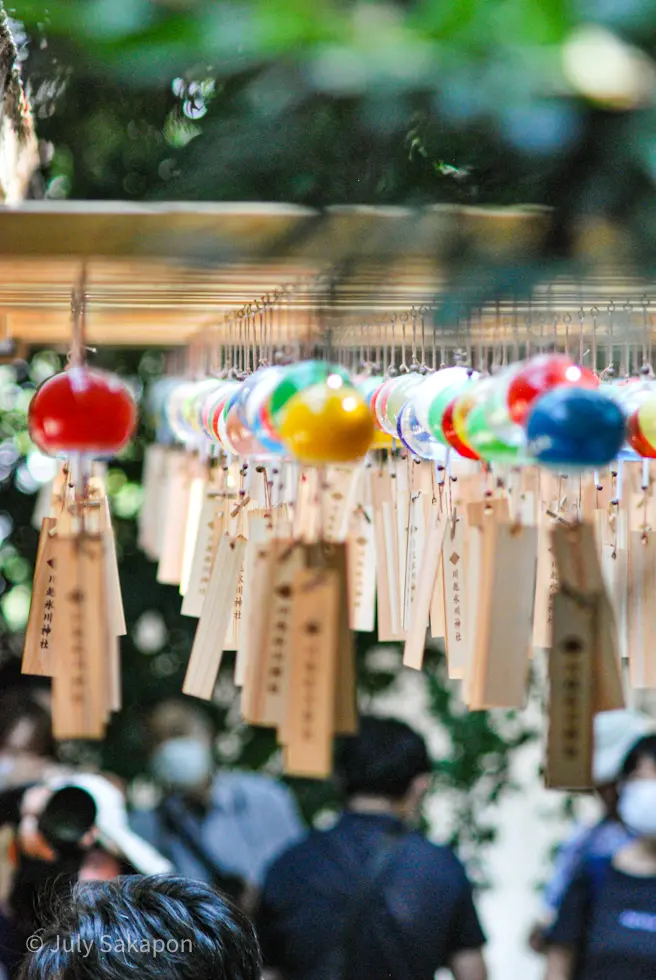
{"x":256,"y":781}
{"x":144,"y":821}
{"x":254,"y":785}
{"x":437,"y":861}
{"x":591,"y":874}
{"x":583,"y":834}
{"x":295,"y":859}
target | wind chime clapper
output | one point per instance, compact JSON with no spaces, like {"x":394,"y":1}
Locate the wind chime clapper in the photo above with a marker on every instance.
{"x":81,"y":416}
{"x":440,"y":501}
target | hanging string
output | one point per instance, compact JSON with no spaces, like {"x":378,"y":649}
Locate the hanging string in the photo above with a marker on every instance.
{"x":646,"y":339}
{"x":79,"y":349}
{"x":610,"y":367}
{"x":444,"y":361}
{"x":594,"y":312}
{"x":414,"y":363}
{"x":624,"y":361}
{"x":403,"y":367}
{"x":515,"y":329}
{"x":391,"y":363}
{"x":261,"y":327}
{"x":423,"y":367}
{"x":628,"y":310}
{"x":502,"y":332}
{"x":480,"y":354}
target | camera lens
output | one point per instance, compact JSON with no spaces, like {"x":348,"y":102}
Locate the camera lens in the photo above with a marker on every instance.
{"x":68,"y":816}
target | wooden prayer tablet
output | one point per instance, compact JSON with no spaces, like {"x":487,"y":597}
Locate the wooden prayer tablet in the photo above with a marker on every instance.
{"x":415,"y":541}
{"x":437,"y":606}
{"x":334,"y":558}
{"x":37,"y":656}
{"x":500,"y":660}
{"x":385,"y":539}
{"x":338,"y":500}
{"x":457,"y":566}
{"x":546,"y":584}
{"x":210,"y":528}
{"x":569,"y":734}
{"x":309,"y":724}
{"x":260,"y":533}
{"x":154,"y":466}
{"x":197,"y":494}
{"x":401,"y":500}
{"x":207,"y":650}
{"x":413,"y":653}
{"x":607,"y":676}
{"x":580,"y":574}
{"x":175,"y":491}
{"x":269,"y":659}
{"x":361,"y":549}
{"x":231,"y":641}
{"x":611,"y":529}
{"x":112,"y":578}
{"x":80,"y":638}
{"x":641,"y":610}
{"x":307,"y":510}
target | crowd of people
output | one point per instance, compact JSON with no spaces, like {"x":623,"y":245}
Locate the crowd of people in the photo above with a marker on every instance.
{"x":219,"y":878}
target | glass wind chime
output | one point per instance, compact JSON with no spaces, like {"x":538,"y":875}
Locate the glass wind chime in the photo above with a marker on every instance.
{"x":307,"y":485}
{"x":82,"y":417}
{"x":498,"y":506}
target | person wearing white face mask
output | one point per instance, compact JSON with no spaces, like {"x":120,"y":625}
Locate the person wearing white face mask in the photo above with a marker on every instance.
{"x":606,"y":927}
{"x":614,"y":733}
{"x":221,"y":827}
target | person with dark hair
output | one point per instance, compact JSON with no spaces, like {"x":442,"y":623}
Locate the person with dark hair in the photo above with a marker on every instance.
{"x":221,"y":827}
{"x":156,"y":928}
{"x":606,"y":926}
{"x":372,"y":898}
{"x":27,"y":755}
{"x":614,"y":733}
{"x":27,"y":747}
{"x":68,"y":829}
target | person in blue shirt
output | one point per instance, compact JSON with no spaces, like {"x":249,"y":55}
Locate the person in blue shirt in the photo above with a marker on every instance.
{"x":615,"y":732}
{"x":606,"y":924}
{"x":220,"y":827}
{"x":371,"y":898}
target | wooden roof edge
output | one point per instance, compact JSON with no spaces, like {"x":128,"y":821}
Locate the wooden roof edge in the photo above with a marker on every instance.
{"x":119,"y":208}
{"x":219,"y":233}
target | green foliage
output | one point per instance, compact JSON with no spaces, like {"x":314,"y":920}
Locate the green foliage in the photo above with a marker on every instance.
{"x":411,"y":102}
{"x":313,"y":102}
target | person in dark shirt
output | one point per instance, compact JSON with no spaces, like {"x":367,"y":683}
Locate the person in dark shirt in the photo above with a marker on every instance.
{"x":372,"y":898}
{"x":606,"y":927}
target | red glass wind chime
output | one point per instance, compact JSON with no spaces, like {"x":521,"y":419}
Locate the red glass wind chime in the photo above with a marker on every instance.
{"x":80,"y":416}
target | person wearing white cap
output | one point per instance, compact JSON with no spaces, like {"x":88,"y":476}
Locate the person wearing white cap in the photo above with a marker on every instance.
{"x":615,"y":733}
{"x":606,"y":923}
{"x":71,"y":828}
